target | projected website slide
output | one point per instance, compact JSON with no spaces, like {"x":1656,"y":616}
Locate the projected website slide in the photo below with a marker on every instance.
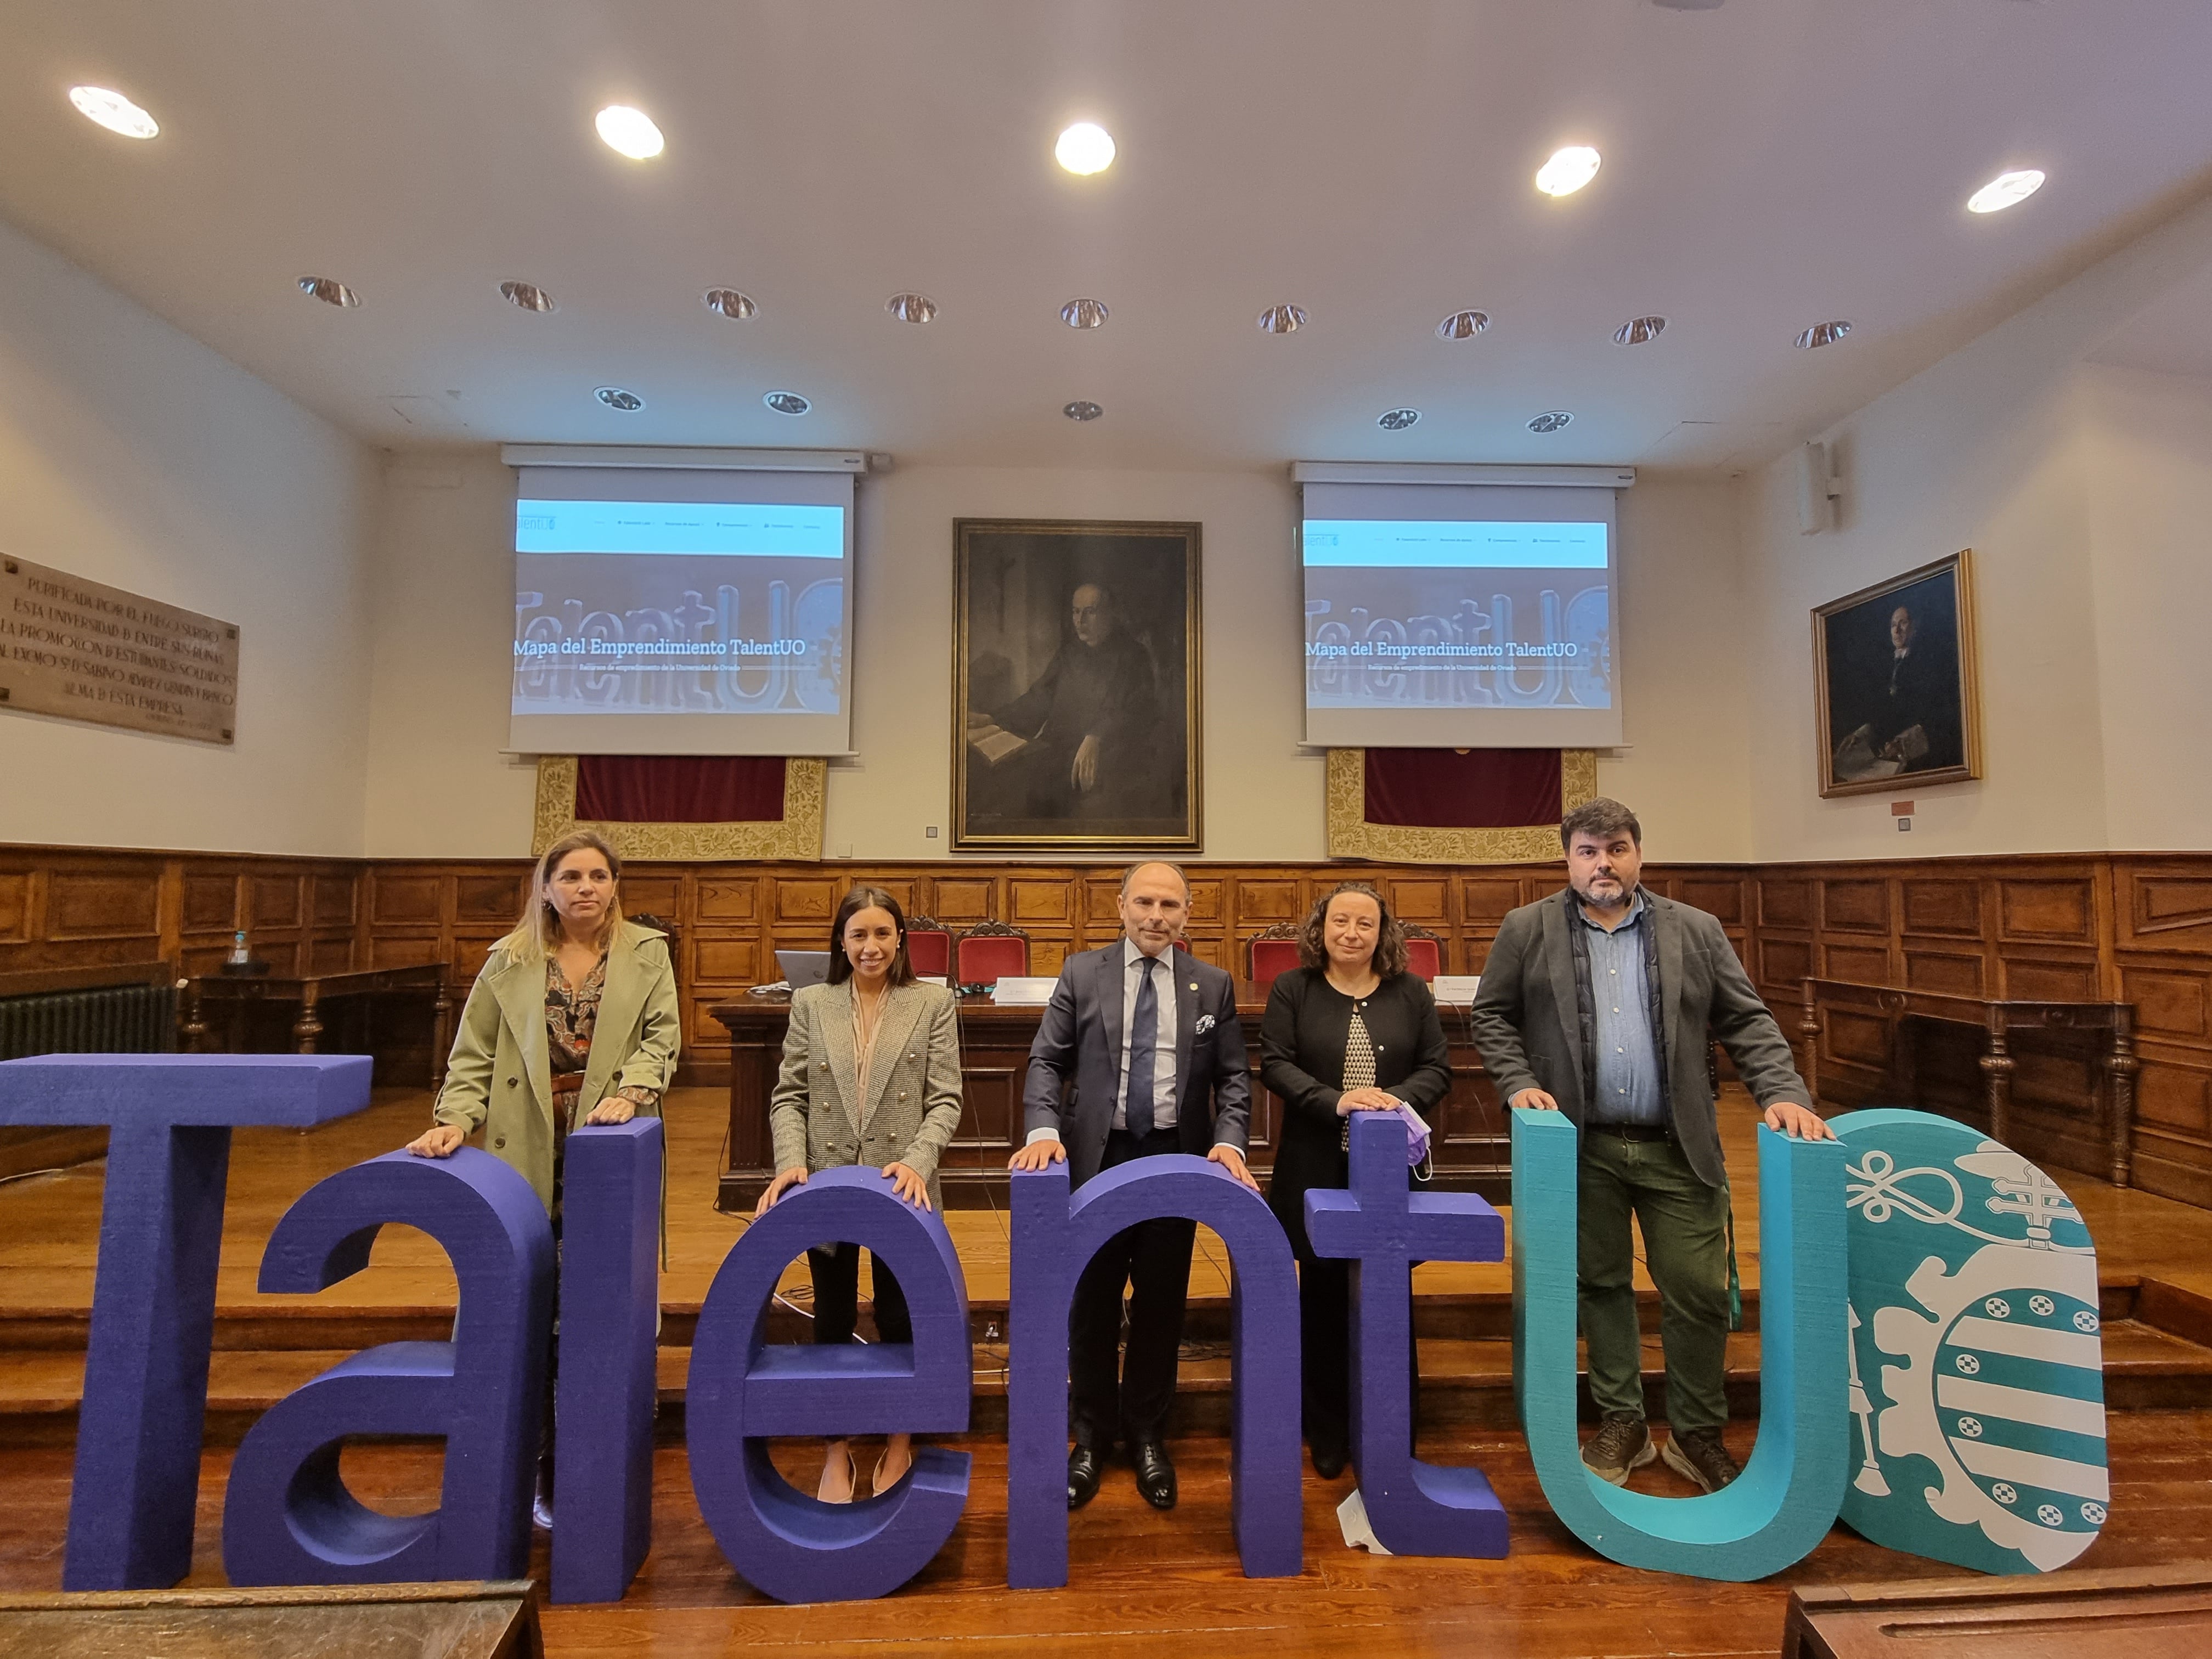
{"x":666,"y":608}
{"x":1405,"y":614}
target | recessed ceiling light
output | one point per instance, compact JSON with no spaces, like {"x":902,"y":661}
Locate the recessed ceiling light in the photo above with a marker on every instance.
{"x":1282,"y":319}
{"x":114,"y":111}
{"x":1462,"y":325}
{"x":729,"y":302}
{"x":615,"y":397}
{"x":527,"y":296}
{"x":2004,"y":191}
{"x":1082,"y":411}
{"x":1083,"y":314}
{"x":1640,"y":330}
{"x":1822,"y":334}
{"x":630,"y":132}
{"x":1397,"y":420}
{"x":786,"y":402}
{"x":912,"y":308}
{"x":1084,"y":148}
{"x":329,"y":290}
{"x":1553,"y":420}
{"x":1568,"y":170}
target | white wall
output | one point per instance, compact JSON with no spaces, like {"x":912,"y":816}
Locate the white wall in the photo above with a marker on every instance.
{"x":132,"y":455}
{"x":2147,"y":455}
{"x":438,"y":786}
{"x":2011,"y":447}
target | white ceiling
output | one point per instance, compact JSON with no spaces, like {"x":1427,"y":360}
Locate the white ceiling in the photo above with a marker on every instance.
{"x":1768,"y":164}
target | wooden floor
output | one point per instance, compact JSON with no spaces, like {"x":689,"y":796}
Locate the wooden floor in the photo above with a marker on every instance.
{"x":50,"y":1223}
{"x":1138,"y":1578}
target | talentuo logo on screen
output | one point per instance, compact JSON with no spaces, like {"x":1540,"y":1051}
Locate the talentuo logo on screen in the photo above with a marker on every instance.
{"x":1456,"y":615}
{"x":659,"y":608}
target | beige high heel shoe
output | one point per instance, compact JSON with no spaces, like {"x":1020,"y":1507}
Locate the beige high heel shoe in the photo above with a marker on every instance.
{"x":903,"y":1445}
{"x":826,"y":1491}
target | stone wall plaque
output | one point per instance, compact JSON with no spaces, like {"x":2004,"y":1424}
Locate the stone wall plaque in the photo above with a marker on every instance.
{"x":84,"y":650}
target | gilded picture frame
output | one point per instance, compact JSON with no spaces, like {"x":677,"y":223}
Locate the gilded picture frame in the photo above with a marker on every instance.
{"x":798,"y":836}
{"x":1897,"y":695}
{"x":1076,"y":686}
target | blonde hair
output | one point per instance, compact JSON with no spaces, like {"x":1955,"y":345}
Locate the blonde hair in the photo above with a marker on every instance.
{"x":539,"y":931}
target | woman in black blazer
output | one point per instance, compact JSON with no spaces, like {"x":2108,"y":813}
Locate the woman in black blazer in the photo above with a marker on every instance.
{"x":1350,"y":1031}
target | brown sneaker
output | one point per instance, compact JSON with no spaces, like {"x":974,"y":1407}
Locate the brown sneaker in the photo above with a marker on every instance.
{"x":1621,"y":1443}
{"x":1699,"y":1455}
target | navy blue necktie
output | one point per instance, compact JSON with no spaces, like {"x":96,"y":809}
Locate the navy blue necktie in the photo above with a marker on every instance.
{"x":1143,"y":1048}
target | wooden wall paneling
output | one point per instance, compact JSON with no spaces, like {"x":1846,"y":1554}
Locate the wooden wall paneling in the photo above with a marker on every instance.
{"x":1855,"y":904}
{"x":1945,"y":906}
{"x":209,"y":901}
{"x":2135,"y":926}
{"x":92,"y":903}
{"x":2038,"y":911}
{"x":1931,"y":967}
{"x":14,"y":906}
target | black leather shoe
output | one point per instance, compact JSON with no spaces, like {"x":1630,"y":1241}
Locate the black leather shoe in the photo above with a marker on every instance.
{"x":1156,"y":1476}
{"x":1084,"y":1465}
{"x":1328,"y":1461}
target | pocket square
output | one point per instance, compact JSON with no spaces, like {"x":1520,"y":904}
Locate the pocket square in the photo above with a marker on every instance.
{"x":1205,"y":1024}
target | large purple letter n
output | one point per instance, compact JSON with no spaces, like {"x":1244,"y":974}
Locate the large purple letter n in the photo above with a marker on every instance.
{"x":1052,"y":1241}
{"x":153,"y":1308}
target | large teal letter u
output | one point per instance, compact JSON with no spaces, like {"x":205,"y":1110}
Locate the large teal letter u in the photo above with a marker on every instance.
{"x":1791,"y":1492}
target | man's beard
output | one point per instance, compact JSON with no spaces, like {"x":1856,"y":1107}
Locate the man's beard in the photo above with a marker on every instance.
{"x":1600,"y":901}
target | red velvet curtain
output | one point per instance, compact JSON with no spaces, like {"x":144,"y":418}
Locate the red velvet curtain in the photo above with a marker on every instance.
{"x":679,"y":789}
{"x":1464,"y":788}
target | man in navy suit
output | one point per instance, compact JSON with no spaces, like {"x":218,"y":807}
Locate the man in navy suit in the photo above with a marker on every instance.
{"x":1148,"y":1036}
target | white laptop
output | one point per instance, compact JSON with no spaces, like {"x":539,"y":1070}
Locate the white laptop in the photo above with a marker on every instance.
{"x":803,"y":968}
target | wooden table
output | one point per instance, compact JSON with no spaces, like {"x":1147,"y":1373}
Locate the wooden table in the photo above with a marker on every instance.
{"x":1471,"y":1141}
{"x":2147,"y":1613}
{"x":1998,"y":1021}
{"x":239,"y":996}
{"x":496,"y":1620}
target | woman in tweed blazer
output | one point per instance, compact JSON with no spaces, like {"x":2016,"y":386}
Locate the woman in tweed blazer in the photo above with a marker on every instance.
{"x":871,"y":1076}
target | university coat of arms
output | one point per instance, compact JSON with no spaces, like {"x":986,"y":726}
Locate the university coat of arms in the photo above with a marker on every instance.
{"x":1977,"y":1369}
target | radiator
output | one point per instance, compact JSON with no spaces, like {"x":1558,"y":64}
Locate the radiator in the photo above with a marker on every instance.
{"x":117,"y":1019}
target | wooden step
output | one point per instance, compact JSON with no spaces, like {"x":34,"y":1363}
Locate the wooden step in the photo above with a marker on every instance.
{"x":1465,"y":1381}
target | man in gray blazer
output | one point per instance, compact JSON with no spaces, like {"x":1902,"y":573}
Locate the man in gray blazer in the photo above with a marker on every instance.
{"x":1148,"y":1036}
{"x":1596,"y":1002}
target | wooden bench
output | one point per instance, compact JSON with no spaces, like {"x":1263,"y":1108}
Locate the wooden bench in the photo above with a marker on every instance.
{"x":2145,"y":1612}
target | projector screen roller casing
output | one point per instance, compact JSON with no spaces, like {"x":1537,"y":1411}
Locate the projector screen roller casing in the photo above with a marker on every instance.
{"x":1458,"y":615}
{"x":682,"y":612}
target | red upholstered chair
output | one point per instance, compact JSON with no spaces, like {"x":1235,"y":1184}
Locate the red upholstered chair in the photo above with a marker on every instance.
{"x":929,"y":947}
{"x":991,"y":951}
{"x":1272,"y":953}
{"x":1424,"y":951}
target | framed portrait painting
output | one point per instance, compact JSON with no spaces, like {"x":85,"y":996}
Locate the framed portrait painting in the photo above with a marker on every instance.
{"x":1893,"y":671}
{"x":1075,"y":686}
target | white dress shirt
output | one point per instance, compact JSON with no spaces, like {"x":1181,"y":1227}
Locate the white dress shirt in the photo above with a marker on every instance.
{"x":1135,"y":966}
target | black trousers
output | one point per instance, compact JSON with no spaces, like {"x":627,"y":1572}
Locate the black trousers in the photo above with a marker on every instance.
{"x":1110,"y":1393}
{"x":836,"y":1271}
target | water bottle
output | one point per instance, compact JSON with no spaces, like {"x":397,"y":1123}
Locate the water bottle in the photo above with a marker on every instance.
{"x":240,"y":956}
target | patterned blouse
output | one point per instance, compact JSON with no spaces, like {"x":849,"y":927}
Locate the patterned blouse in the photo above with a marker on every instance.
{"x":1358,"y":1065}
{"x":570,"y":1017}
